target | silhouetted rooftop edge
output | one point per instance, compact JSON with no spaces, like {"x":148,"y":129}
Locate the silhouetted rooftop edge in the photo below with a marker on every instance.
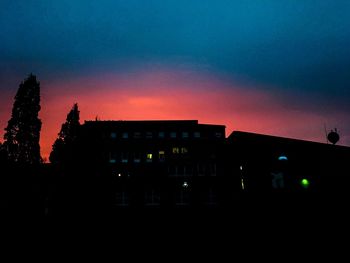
{"x":278,"y":138}
{"x":138,"y":122}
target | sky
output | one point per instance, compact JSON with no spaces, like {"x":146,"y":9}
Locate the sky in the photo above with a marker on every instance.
{"x":266,"y":66}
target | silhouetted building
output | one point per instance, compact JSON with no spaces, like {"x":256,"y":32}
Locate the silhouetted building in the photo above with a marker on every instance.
{"x":155,"y":163}
{"x":274,"y":164}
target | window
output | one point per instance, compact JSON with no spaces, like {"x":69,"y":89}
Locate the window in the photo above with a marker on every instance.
{"x":213,"y":169}
{"x":184,"y":150}
{"x":180,"y":170}
{"x":210,"y":198}
{"x":137,"y":158}
{"x":188,"y":169}
{"x":149,"y":157}
{"x":137,"y":135}
{"x":161,"y":134}
{"x":172,"y":170}
{"x":149,"y":135}
{"x":218,"y":134}
{"x":122,"y":198}
{"x":173,"y":135}
{"x":161,"y":156}
{"x":112,"y":157}
{"x":197,"y":135}
{"x":125,"y":157}
{"x":201,"y":169}
{"x":152,"y":196}
{"x":182,"y":195}
{"x":113,"y":135}
{"x":185,"y":135}
{"x":176,"y":150}
{"x":125,"y":135}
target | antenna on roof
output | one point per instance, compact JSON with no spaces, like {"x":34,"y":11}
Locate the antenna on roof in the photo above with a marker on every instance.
{"x":97,"y":118}
{"x":333,"y":136}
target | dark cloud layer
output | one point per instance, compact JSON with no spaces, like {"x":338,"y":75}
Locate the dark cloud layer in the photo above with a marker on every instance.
{"x":289,"y":44}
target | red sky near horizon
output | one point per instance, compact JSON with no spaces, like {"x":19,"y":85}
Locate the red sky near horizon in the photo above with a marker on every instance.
{"x":156,"y":94}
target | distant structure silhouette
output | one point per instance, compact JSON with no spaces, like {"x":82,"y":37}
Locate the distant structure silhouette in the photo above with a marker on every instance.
{"x":333,"y":136}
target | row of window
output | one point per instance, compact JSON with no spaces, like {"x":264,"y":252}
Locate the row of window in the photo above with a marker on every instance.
{"x":124,"y":157}
{"x":199,"y":169}
{"x":150,"y":135}
{"x":153,"y":196}
{"x":186,"y":170}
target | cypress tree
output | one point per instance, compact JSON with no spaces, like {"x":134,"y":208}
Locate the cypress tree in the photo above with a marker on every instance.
{"x":22,"y":133}
{"x":62,"y":147}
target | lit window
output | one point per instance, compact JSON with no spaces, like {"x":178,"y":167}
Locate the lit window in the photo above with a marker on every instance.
{"x":176,"y":150}
{"x":149,"y":135}
{"x":149,"y":157}
{"x":184,"y":150}
{"x":173,"y":135}
{"x":161,"y":156}
{"x":197,"y":135}
{"x":112,"y":161}
{"x":113,"y":135}
{"x":161,"y":134}
{"x":125,"y":135}
{"x":185,"y":135}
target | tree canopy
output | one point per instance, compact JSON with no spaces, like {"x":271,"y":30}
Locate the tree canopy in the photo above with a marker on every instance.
{"x":62,"y":147}
{"x":22,"y":133}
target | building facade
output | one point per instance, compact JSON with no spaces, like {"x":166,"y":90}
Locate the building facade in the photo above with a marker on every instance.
{"x":274,"y":164}
{"x":156,"y":163}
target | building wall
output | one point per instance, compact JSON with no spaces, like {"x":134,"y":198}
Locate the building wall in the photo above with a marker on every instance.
{"x":156,"y":163}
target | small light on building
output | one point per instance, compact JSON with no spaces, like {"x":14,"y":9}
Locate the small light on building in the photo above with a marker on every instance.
{"x":242,"y":184}
{"x":241,"y":168}
{"x":185,"y":185}
{"x":119,"y":175}
{"x":282,"y":158}
{"x":305,"y":183}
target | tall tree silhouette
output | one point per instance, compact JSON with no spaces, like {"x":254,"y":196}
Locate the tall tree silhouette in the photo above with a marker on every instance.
{"x":62,"y":148}
{"x":22,"y":133}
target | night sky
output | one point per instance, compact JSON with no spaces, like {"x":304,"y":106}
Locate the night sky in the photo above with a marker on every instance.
{"x":272,"y":67}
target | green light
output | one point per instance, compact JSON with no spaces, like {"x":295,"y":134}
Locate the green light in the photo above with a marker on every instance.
{"x":305,"y":183}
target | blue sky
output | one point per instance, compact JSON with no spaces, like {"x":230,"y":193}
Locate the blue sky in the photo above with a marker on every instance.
{"x":298,"y":47}
{"x":289,"y":44}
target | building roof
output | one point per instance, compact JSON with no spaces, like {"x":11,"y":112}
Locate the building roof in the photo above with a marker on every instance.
{"x":147,"y":123}
{"x":254,"y":138}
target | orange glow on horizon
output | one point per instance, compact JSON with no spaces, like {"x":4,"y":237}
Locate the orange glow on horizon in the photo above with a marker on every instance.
{"x":170,"y":95}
